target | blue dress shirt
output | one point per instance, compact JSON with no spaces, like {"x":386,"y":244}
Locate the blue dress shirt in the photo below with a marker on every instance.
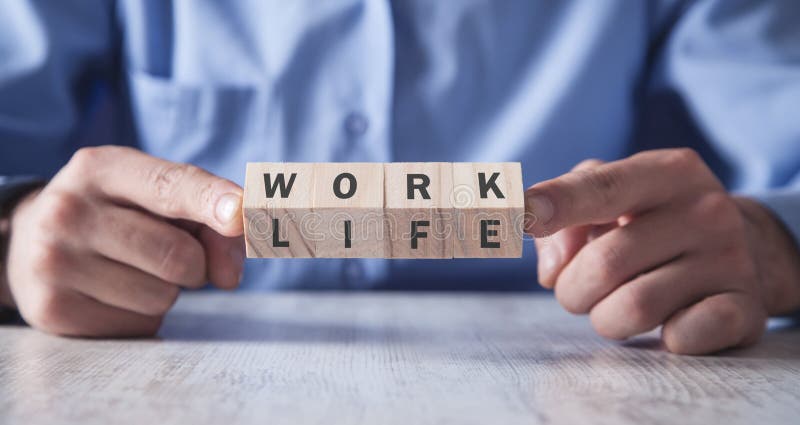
{"x":547,"y":83}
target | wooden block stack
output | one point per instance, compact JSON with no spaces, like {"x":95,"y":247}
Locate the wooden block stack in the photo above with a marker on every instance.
{"x":394,"y":210}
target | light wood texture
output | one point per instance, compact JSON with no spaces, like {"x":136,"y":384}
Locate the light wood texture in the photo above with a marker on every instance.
{"x":379,"y":358}
{"x":341,"y":210}
{"x":293,"y":212}
{"x":361,"y":212}
{"x":427,"y":204}
{"x":489,"y":221}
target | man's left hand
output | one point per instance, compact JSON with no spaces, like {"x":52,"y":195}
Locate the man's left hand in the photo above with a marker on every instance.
{"x":655,"y":239}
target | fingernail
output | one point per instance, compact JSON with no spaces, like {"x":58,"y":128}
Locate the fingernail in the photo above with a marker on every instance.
{"x":541,"y":208}
{"x":549,"y":260}
{"x":227,"y":207}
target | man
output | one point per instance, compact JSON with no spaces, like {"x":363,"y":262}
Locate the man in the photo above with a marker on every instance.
{"x":699,"y":236}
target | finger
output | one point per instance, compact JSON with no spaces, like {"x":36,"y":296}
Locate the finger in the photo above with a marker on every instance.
{"x":650,"y":299}
{"x":554,"y":252}
{"x":68,"y":313}
{"x":601,"y":229}
{"x":165,"y":188}
{"x":604,"y":193}
{"x":121,"y":286}
{"x":731,"y":319}
{"x":619,"y":255}
{"x":224,"y":256}
{"x":149,"y":244}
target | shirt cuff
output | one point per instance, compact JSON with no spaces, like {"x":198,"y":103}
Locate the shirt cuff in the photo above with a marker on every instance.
{"x":12,"y":189}
{"x":785,"y":204}
{"x":15,"y":187}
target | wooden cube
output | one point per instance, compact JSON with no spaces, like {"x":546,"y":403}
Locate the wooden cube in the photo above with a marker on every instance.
{"x":489,"y":208}
{"x":348,"y":198}
{"x":277,"y":206}
{"x":398,"y":210}
{"x":418,"y":214}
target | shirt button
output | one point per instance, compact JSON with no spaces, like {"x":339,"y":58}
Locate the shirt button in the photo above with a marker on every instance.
{"x":356,"y":124}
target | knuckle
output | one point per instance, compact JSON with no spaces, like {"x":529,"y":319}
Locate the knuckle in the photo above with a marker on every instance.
{"x":569,"y":302}
{"x":588,"y":164}
{"x":717,"y":203}
{"x":166,"y":181}
{"x":682,"y":158}
{"x":48,"y":313}
{"x":63,"y":211}
{"x":86,"y":159}
{"x":605,"y":325}
{"x":49,"y":260}
{"x":606,"y":261}
{"x":734,"y":319}
{"x":729,"y":315}
{"x":605,"y":183}
{"x":634,"y":308}
{"x":717,"y":210}
{"x":206,"y":194}
{"x":675,"y":340}
{"x":688,"y":165}
{"x":740,"y":317}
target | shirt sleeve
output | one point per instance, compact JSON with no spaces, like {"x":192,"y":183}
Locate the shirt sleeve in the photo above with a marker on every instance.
{"x":784,"y":204}
{"x":54,"y":56}
{"x":735,"y":64}
{"x":12,"y":188}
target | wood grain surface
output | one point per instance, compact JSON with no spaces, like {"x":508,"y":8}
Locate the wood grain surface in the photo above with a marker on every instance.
{"x":388,"y":358}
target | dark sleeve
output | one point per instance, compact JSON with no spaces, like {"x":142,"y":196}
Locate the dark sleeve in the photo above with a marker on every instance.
{"x":11,"y":190}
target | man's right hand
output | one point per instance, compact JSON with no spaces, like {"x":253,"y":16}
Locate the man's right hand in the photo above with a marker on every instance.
{"x":105,"y":247}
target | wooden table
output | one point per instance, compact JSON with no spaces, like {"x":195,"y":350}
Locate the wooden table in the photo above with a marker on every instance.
{"x":388,"y":358}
